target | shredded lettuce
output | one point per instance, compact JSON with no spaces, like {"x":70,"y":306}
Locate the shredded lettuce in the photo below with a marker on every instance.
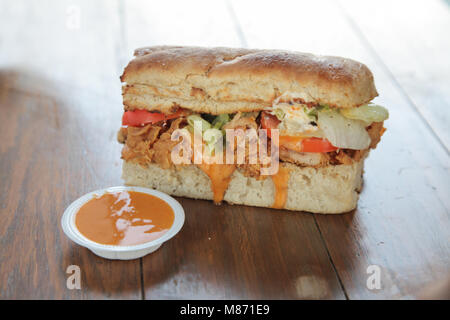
{"x":195,"y":117}
{"x":211,"y":137}
{"x":323,"y":107}
{"x":311,"y":113}
{"x":368,"y":113}
{"x":220,"y":121}
{"x":211,"y":131}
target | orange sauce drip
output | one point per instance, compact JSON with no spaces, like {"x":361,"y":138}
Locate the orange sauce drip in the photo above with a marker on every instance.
{"x":280,"y":181}
{"x":124,"y":218}
{"x":220,"y":176}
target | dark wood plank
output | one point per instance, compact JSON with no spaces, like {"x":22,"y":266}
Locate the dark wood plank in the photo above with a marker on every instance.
{"x":58,"y":89}
{"x":414,"y":46}
{"x":59,"y":85}
{"x":227,"y":251}
{"x":402,"y":220}
{"x":238,"y":252}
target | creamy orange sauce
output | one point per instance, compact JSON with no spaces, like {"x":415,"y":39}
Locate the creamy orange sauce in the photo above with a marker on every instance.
{"x":280,"y":181}
{"x":220,"y":176}
{"x":124,"y":218}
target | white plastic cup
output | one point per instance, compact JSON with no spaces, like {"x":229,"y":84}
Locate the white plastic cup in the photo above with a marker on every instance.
{"x":120,"y":252}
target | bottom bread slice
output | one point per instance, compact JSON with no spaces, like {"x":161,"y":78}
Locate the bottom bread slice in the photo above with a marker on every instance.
{"x":330,"y":189}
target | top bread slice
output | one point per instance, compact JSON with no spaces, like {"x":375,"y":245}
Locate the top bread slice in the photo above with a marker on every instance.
{"x":228,"y":80}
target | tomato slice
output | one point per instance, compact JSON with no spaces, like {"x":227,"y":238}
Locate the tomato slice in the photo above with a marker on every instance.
{"x":298,"y":144}
{"x":317,"y":145}
{"x":269,"y":121}
{"x":138,"y":118}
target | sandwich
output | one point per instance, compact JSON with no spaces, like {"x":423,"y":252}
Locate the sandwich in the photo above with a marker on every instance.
{"x":313,"y":112}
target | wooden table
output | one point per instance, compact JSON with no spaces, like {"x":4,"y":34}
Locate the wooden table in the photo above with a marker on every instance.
{"x":60,"y":104}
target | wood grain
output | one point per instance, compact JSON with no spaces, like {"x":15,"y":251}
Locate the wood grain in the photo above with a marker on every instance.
{"x":238,"y":252}
{"x":402,"y":220}
{"x":57,"y":95}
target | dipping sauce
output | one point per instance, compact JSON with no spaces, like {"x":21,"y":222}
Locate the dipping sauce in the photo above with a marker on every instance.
{"x":124,"y":218}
